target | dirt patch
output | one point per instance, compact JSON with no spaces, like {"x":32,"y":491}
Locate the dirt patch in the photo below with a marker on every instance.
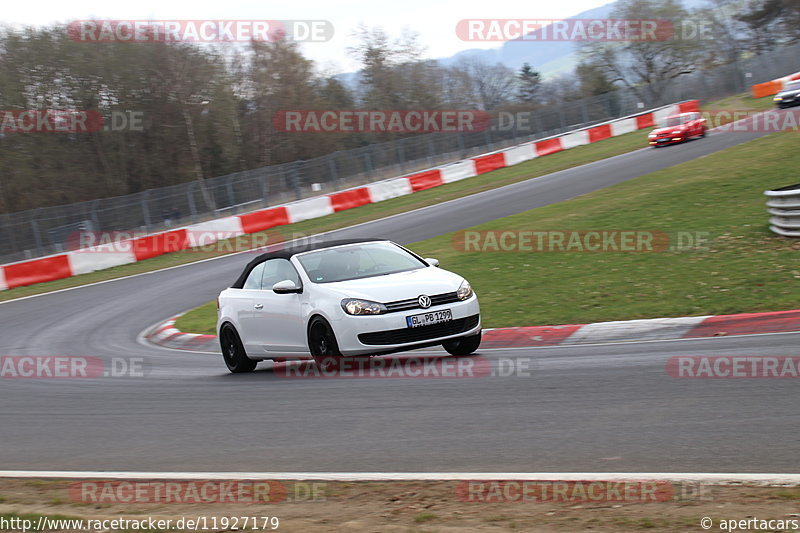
{"x":441,"y":506}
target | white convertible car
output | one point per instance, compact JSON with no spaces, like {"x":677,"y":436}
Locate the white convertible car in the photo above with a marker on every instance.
{"x":341,"y":298}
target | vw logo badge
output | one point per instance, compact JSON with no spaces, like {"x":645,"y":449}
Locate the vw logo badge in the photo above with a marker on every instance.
{"x":424,"y":301}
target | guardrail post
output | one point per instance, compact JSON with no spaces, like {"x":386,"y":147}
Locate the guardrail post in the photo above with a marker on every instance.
{"x":264,"y":182}
{"x":37,"y":237}
{"x":93,"y":214}
{"x":294,"y":177}
{"x":145,"y":208}
{"x":431,"y":149}
{"x":333,"y":171}
{"x":190,"y":198}
{"x":229,"y":190}
{"x":401,"y":155}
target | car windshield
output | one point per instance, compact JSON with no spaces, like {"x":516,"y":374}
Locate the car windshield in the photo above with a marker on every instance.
{"x":357,"y":261}
{"x":792,"y":86}
{"x":676,"y":120}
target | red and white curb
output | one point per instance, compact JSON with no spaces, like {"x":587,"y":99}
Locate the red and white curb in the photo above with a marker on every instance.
{"x":140,"y":247}
{"x":652,"y":329}
{"x":167,"y":335}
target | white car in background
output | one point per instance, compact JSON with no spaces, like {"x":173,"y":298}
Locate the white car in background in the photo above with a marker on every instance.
{"x":342,"y":298}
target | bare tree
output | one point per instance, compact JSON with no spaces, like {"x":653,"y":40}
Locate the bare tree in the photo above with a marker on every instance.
{"x":644,"y":65}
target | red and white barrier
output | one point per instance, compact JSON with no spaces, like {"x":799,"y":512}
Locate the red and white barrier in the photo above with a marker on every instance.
{"x":621,"y":127}
{"x":520,"y":154}
{"x":771,"y":87}
{"x":387,"y":189}
{"x":206,"y":233}
{"x":458,"y":171}
{"x":575,"y":139}
{"x":100,"y":257}
{"x":108,"y":255}
{"x":319,"y":206}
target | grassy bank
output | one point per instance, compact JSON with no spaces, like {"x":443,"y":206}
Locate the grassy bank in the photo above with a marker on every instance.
{"x":741,"y":266}
{"x":538,"y":167}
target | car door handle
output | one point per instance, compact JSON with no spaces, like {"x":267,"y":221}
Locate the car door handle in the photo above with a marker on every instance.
{"x":259,"y":306}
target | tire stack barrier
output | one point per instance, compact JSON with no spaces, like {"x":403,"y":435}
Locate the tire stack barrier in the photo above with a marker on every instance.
{"x":784,"y":206}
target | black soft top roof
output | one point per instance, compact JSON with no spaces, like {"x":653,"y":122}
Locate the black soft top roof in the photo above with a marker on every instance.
{"x":289,"y":251}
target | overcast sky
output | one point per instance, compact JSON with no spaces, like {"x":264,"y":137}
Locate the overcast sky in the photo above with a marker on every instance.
{"x":433,"y":20}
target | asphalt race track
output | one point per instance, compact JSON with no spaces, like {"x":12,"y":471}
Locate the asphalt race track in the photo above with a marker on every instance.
{"x":582,"y":408}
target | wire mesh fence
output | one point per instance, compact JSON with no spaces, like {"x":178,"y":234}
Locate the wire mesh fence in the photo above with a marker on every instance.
{"x":43,"y":231}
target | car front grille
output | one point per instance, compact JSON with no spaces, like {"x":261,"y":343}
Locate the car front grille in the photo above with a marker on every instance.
{"x":421,"y":333}
{"x":412,"y":303}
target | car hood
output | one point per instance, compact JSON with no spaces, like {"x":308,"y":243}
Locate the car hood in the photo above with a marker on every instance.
{"x":400,"y":286}
{"x":659,"y":131}
{"x":793,"y":92}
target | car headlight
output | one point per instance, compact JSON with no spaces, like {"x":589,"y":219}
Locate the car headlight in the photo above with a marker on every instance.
{"x":464,"y":292}
{"x":354,"y":306}
{"x":652,"y":135}
{"x":777,"y":98}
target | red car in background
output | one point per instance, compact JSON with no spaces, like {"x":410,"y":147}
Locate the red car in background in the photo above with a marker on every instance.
{"x":678,"y":128}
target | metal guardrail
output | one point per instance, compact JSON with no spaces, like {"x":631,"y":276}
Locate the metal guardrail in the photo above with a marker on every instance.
{"x":784,"y":206}
{"x":42,"y":231}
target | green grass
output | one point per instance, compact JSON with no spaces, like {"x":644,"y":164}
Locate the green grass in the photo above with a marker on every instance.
{"x":744,"y":268}
{"x":201,"y":319}
{"x":740,"y":102}
{"x":424,"y":517}
{"x":538,"y":167}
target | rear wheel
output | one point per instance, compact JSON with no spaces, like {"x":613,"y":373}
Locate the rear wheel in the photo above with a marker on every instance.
{"x":233,"y":351}
{"x":322,"y":343}
{"x":464,"y":345}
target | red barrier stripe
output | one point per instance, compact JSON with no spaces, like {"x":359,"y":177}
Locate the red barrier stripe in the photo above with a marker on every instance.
{"x":598,"y":133}
{"x":689,"y":107}
{"x":645,"y":121}
{"x":747,"y":323}
{"x":795,"y":76}
{"x":350,"y":199}
{"x":488,"y":163}
{"x":549,"y":146}
{"x":264,"y":219}
{"x":160,"y":244}
{"x":37,"y":271}
{"x":528,"y":336}
{"x":425,"y":180}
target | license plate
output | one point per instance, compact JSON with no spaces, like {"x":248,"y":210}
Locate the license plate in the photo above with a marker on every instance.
{"x":426,"y":319}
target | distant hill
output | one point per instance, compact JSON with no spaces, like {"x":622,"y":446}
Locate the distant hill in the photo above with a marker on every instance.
{"x":550,"y":58}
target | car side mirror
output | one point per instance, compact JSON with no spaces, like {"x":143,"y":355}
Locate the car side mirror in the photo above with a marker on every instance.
{"x":432,"y":262}
{"x":286,"y":286}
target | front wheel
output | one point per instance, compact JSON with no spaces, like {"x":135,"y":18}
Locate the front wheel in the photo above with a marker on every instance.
{"x":233,"y":351}
{"x":464,"y":345}
{"x":322,"y":343}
